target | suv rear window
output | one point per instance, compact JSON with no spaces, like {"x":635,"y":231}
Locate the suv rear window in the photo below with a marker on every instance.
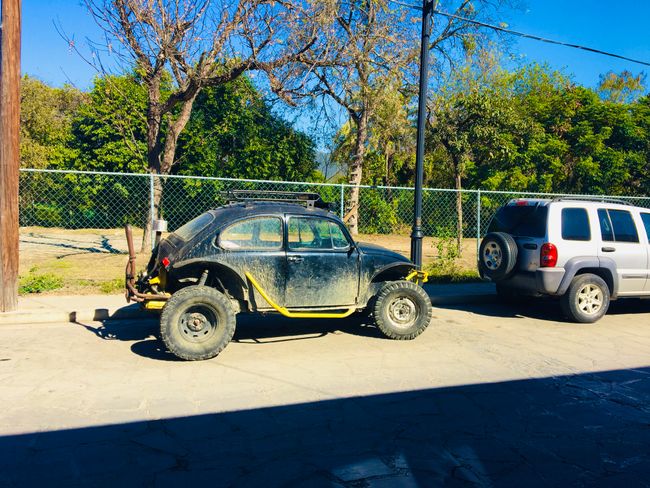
{"x":575,"y":224}
{"x":194,"y":226}
{"x":525,"y":220}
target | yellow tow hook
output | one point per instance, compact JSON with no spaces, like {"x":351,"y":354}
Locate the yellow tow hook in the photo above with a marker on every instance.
{"x":297,"y":315}
{"x":418,"y":277}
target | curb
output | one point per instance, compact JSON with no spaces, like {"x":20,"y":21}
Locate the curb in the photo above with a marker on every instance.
{"x":42,"y":316}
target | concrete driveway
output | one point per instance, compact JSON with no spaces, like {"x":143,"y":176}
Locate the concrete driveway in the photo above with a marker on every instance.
{"x":489,"y":395}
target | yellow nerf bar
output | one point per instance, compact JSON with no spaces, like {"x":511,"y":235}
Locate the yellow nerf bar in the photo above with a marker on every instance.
{"x":297,"y":315}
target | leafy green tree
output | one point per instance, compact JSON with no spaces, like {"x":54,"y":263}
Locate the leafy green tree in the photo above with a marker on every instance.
{"x":46,"y":115}
{"x":110,"y":129}
{"x":621,"y":88}
{"x":233,"y":132}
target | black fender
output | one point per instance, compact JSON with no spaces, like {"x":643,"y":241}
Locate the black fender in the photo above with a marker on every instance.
{"x":220,"y":276}
{"x":603,"y":267}
{"x":393,"y":271}
{"x":372,"y":283}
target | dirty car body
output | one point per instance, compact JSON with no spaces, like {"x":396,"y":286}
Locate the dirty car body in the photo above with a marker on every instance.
{"x":265,"y":256}
{"x":300,"y":270}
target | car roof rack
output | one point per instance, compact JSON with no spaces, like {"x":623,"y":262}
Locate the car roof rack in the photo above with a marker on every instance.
{"x":588,"y":198}
{"x":308,"y":199}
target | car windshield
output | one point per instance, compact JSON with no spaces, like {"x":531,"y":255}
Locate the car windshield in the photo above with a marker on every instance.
{"x":524,"y":220}
{"x":193,"y":227}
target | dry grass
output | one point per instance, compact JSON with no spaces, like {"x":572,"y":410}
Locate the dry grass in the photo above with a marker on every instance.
{"x":92,"y":261}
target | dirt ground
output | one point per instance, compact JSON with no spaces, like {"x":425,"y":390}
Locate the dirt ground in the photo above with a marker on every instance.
{"x":89,"y":260}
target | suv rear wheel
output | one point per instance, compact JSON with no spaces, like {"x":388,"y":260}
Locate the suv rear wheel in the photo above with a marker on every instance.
{"x":587,"y":298}
{"x":197,"y":323}
{"x":402,"y":310}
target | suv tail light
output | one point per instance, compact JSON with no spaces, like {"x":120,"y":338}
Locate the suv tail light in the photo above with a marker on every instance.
{"x":548,"y":255}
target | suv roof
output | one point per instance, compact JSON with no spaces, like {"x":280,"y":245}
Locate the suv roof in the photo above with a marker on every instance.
{"x":524,"y":202}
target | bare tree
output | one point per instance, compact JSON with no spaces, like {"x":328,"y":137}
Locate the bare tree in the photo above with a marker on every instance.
{"x":368,"y":50}
{"x":202,"y":43}
{"x":374,"y":45}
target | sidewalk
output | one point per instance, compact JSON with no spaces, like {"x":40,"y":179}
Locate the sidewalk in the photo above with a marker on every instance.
{"x":35,"y":308}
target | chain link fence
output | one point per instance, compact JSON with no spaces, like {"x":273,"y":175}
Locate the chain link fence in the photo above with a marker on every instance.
{"x":79,"y":200}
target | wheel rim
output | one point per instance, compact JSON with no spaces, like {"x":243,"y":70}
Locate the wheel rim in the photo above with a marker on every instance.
{"x":198,"y":323}
{"x":402,"y":312}
{"x":492,"y":255}
{"x":590,"y":299}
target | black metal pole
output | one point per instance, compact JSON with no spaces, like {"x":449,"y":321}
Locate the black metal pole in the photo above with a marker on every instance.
{"x":417,"y":234}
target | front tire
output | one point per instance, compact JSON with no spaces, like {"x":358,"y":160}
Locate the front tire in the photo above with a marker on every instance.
{"x":197,"y":323}
{"x":587,"y":299}
{"x":402,"y":310}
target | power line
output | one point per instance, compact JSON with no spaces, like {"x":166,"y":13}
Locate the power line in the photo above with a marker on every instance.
{"x":524,"y":35}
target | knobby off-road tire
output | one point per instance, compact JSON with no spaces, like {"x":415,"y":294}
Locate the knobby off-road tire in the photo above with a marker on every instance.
{"x":587,"y":299}
{"x":497,"y":255}
{"x":197,"y":323}
{"x":402,"y":310}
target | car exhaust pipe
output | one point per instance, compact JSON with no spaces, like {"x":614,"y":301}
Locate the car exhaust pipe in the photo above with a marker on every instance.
{"x":132,"y":292}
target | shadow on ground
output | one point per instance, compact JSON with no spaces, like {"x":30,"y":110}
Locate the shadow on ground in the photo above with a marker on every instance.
{"x":252,"y":329}
{"x":583,"y":430}
{"x":545,"y":308}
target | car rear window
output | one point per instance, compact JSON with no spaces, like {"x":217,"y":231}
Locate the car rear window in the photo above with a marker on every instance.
{"x":575,"y":224}
{"x":194,"y":226}
{"x":520,"y":220}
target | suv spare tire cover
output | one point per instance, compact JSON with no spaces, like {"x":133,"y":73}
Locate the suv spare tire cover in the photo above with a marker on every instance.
{"x":497,"y":255}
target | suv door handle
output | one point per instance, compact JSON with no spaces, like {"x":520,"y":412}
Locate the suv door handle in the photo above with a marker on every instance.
{"x":295,"y":259}
{"x":608,"y":249}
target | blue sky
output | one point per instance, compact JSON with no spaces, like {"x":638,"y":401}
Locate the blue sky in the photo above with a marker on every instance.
{"x":620,"y":27}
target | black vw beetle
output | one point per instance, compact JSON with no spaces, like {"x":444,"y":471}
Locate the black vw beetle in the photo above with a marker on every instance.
{"x":287,"y":254}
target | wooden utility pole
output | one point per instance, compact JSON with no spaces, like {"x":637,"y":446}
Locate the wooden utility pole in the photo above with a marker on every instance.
{"x":9,"y":152}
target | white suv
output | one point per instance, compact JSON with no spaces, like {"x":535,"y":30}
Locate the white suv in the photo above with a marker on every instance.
{"x":586,"y":252}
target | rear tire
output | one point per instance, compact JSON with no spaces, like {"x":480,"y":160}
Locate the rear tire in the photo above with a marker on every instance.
{"x":197,"y":323}
{"x":497,"y":255}
{"x":586,"y":300}
{"x":402,"y":310}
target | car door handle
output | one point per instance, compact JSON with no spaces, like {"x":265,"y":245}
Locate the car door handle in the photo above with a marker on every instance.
{"x":532,"y":247}
{"x":608,"y":249}
{"x":295,"y":259}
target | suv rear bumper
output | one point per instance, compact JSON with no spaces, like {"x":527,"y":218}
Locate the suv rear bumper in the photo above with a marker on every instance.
{"x":545,"y":281}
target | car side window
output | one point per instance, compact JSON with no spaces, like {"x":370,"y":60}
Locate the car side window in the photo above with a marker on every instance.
{"x":339,"y":240}
{"x":646,"y":223}
{"x":255,"y":234}
{"x":606,"y":231}
{"x":623,"y":225}
{"x":617,"y":225}
{"x":575,"y":224}
{"x":315,"y":233}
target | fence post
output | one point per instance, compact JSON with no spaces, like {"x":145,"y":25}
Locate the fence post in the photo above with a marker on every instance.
{"x":478,"y":222}
{"x":151,"y":207}
{"x":342,"y":207}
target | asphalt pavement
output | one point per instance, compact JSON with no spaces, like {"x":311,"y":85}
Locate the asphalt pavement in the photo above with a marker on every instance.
{"x":489,"y":395}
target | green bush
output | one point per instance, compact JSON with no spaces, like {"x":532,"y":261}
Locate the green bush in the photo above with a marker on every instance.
{"x":38,"y":283}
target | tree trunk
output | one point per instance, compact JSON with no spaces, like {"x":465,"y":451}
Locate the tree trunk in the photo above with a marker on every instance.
{"x":154,"y":198}
{"x":356,"y":171}
{"x":162,"y":158}
{"x":154,"y":150}
{"x":459,"y":213}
